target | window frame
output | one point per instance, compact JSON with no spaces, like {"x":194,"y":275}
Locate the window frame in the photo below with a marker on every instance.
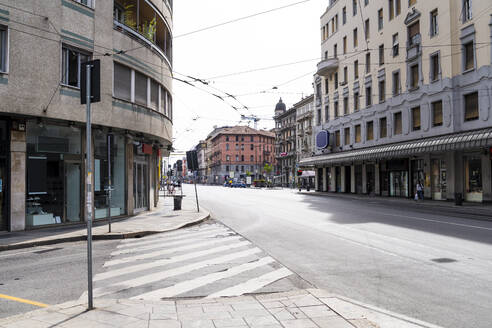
{"x":465,"y":55}
{"x":396,"y":85}
{"x":414,"y":83}
{"x":400,"y":123}
{"x":371,"y":129}
{"x":434,"y":23}
{"x":380,"y":19}
{"x":383,"y":127}
{"x":79,"y":52}
{"x":90,"y":3}
{"x":433,"y":74}
{"x":465,"y":107}
{"x":413,"y":111}
{"x":358,"y":133}
{"x":346,"y":141}
{"x":4,"y":55}
{"x":433,"y":108}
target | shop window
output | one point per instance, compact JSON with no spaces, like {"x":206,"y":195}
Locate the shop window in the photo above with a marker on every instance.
{"x":437,"y":113}
{"x":140,"y":88}
{"x":415,"y":118}
{"x":473,"y":178}
{"x":434,"y":27}
{"x":357,"y":133}
{"x":468,"y":56}
{"x":370,"y":131}
{"x":347,"y":136}
{"x":471,"y":106}
{"x":397,"y":124}
{"x":3,"y":49}
{"x":71,"y":61}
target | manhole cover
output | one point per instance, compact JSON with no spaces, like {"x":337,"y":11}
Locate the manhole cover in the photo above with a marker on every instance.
{"x":443,"y":260}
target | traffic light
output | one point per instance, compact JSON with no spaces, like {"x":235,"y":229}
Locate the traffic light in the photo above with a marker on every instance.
{"x":179,"y":165}
{"x":299,"y":173}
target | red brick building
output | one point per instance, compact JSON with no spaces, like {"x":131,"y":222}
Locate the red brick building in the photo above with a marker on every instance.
{"x":240,"y":151}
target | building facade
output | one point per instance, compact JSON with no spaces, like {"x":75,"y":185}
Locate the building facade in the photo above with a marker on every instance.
{"x":240,"y":151}
{"x":404,"y":91}
{"x":285,"y":145}
{"x":304,"y":138}
{"x":42,"y":123}
{"x":201,"y":149}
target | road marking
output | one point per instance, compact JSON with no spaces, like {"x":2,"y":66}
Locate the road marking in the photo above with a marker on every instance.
{"x":188,"y":285}
{"x":164,"y":243}
{"x":252,"y":284}
{"x":169,"y":251}
{"x":158,"y":276}
{"x":179,"y":258}
{"x":142,"y":242}
{"x":169,"y":234}
{"x":22,"y":300}
{"x":26,"y":252}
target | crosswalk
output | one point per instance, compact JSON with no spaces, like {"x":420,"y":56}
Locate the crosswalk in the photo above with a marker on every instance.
{"x":209,"y":260}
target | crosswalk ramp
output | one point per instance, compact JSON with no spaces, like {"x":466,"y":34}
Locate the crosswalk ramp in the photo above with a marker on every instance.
{"x":209,"y":260}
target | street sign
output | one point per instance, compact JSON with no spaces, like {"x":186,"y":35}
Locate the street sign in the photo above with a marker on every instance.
{"x":192,"y":160}
{"x":322,"y":139}
{"x":95,"y":81}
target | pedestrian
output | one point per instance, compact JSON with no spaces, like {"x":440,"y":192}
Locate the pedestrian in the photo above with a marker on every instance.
{"x":420,"y":191}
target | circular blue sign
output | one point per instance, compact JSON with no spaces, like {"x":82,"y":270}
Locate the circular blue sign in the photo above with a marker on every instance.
{"x":322,"y":139}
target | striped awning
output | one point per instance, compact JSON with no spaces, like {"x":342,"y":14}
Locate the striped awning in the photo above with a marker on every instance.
{"x":457,"y":141}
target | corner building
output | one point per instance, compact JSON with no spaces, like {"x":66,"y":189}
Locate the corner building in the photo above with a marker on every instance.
{"x":404,"y":91}
{"x":42,"y":123}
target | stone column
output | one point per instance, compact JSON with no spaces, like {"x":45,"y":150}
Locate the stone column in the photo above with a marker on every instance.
{"x":325,"y":171}
{"x":364,"y":179}
{"x":377,"y":185}
{"x":459,"y":174}
{"x":450,"y":174}
{"x":17,"y":180}
{"x":352,"y":179}
{"x":333,"y":181}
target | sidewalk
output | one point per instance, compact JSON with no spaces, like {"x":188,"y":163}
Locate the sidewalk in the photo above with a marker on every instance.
{"x":312,"y":308}
{"x":479,"y":210}
{"x":161,"y":219}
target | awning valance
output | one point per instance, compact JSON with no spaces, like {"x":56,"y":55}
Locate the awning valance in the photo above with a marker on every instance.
{"x":458,"y":141}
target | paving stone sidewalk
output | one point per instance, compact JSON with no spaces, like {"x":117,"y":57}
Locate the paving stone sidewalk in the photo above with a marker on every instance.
{"x":161,"y":219}
{"x":312,"y":308}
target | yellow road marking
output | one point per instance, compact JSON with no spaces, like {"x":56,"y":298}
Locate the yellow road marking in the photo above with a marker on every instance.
{"x":21,"y":300}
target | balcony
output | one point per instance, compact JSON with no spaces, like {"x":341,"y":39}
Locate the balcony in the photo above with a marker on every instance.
{"x":309,"y":130}
{"x":413,"y":47}
{"x":140,"y":20}
{"x":327,"y":66}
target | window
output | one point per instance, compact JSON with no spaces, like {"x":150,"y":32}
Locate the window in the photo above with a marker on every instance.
{"x":391,"y":5}
{"x":415,"y":118}
{"x":414,"y":76}
{"x":434,"y":28}
{"x":466,"y":11}
{"x":251,"y":147}
{"x":227,"y":146}
{"x":344,"y":15}
{"x":326,"y":86}
{"x":367,"y":32}
{"x":122,"y":82}
{"x":344,"y":45}
{"x":336,"y":109}
{"x":366,"y":2}
{"x":370,"y":131}
{"x":382,"y":91}
{"x":434,"y":69}
{"x":154,"y":95}
{"x":347,"y":136}
{"x":227,"y":168}
{"x":3,"y":48}
{"x":327,"y":113}
{"x":354,"y":7}
{"x":471,"y":106}
{"x":396,"y":45}
{"x":237,"y":146}
{"x":437,"y":113}
{"x":345,"y":75}
{"x":397,"y":123}
{"x":345,"y":106}
{"x":396,"y":83}
{"x":237,"y":158}
{"x":381,"y":55}
{"x":356,"y":101}
{"x":368,"y":96}
{"x":356,"y":69}
{"x":319,"y":116}
{"x":336,"y":80}
{"x":251,"y":158}
{"x":356,"y":40}
{"x":237,"y":139}
{"x":242,"y":158}
{"x":242,"y":138}
{"x":337,"y":138}
{"x":414,"y":33}
{"x":242,"y":146}
{"x":71,"y":60}
{"x":140,"y":89}
{"x":469,"y":56}
{"x":357,"y":133}
{"x":88,"y":3}
{"x":227,"y":138}
{"x":368,"y":62}
{"x":383,"y":126}
{"x":335,"y":51}
{"x":252,"y":138}
{"x":411,"y":2}
{"x":237,"y":168}
{"x":397,"y":7}
{"x":380,"y":19}
{"x":228,"y":158}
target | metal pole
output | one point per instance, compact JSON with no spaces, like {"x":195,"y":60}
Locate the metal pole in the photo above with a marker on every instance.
{"x":110,"y":184}
{"x":196,"y":194}
{"x":89,"y":187}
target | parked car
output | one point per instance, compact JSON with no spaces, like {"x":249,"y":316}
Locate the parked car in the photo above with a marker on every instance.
{"x":238,"y":185}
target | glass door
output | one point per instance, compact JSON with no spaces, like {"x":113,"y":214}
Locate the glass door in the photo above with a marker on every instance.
{"x":140,"y":186}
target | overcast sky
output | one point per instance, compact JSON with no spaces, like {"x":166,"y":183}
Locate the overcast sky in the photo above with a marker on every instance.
{"x":283,"y":36}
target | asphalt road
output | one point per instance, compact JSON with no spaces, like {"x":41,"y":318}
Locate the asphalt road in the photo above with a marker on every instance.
{"x":423,"y":263}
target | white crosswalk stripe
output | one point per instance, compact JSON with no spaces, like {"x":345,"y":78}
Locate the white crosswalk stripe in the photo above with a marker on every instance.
{"x":195,"y":262}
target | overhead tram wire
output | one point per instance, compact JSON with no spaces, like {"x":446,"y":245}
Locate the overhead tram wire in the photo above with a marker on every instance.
{"x":240,"y":19}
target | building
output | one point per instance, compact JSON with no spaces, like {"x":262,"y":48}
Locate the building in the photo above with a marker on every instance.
{"x":201,"y":149}
{"x":404,"y":94}
{"x":304,"y":138}
{"x":285,"y":145}
{"x":240,"y":151}
{"x":42,"y":123}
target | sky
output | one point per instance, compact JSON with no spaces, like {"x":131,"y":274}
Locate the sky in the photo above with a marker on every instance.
{"x":289,"y":35}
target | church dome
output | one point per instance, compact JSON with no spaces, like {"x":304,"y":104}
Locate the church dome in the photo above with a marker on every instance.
{"x":280,"y":107}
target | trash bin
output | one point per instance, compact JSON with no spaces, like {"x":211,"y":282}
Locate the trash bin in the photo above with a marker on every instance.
{"x":458,"y":198}
{"x":177,"y":202}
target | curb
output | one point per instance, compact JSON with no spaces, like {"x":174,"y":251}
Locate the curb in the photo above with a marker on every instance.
{"x":136,"y":234}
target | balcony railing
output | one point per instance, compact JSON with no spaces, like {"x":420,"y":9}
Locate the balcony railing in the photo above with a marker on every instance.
{"x":413,"y":46}
{"x":143,"y":22}
{"x":327,"y":66}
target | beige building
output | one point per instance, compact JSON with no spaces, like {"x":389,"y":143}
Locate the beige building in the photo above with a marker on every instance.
{"x":285,"y":145}
{"x":404,"y":91}
{"x":42,"y":123}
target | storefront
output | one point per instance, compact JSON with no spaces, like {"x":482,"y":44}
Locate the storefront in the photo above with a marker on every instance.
{"x":348,"y":176}
{"x":141,"y":177}
{"x":438,"y":179}
{"x":109,"y":174}
{"x":54,"y":166}
{"x":473,"y":178}
{"x":358,"y":179}
{"x":338,"y":179}
{"x":370,"y":179}
{"x":4,"y":175}
{"x":418,"y":174}
{"x":394,"y":178}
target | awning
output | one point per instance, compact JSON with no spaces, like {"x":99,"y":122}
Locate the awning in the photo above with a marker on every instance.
{"x":452,"y":142}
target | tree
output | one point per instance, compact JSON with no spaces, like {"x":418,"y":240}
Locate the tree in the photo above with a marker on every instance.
{"x":267,"y":168}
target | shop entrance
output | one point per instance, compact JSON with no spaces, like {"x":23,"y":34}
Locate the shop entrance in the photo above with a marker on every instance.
{"x":438,"y":174}
{"x":338,"y":179}
{"x":348,"y":178}
{"x":4,"y":175}
{"x":370,"y":179}
{"x":358,"y":179}
{"x":140,"y":184}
